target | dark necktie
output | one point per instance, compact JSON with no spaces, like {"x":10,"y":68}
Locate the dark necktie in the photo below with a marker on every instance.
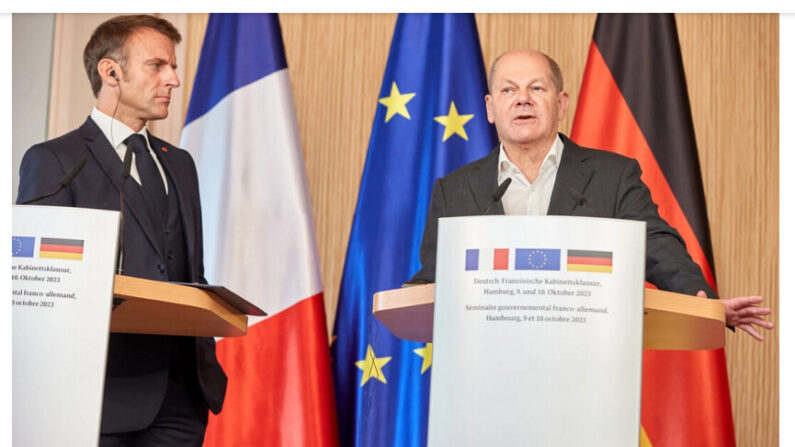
{"x":151,"y":180}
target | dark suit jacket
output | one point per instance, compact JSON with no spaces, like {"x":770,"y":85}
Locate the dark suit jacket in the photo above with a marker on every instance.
{"x":137,"y":365}
{"x":611,"y":186}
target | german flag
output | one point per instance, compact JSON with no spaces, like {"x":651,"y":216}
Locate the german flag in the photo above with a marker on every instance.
{"x":589,"y":261}
{"x":55,"y":248}
{"x":634,"y":101}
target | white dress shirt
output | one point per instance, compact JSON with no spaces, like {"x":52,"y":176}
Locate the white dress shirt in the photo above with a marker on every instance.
{"x":116,"y":132}
{"x":522,"y":196}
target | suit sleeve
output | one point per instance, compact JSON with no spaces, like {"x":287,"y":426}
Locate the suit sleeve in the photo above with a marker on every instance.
{"x":39,"y":173}
{"x":437,"y":209}
{"x":668,"y":264}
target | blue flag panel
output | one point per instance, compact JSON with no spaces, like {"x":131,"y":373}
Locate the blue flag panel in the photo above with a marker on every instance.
{"x":537,"y":259}
{"x":22,"y":246}
{"x":430,"y":119}
{"x":472,"y":258}
{"x":227,"y":71}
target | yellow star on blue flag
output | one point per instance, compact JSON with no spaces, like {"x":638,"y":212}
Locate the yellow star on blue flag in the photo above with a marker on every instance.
{"x":371,"y":366}
{"x":396,"y":103}
{"x":427,"y":356}
{"x":454,"y":123}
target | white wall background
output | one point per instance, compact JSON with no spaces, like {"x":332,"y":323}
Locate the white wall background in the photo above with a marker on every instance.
{"x":32,"y":37}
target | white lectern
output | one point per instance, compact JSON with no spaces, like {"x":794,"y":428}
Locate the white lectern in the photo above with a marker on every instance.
{"x":62,"y":280}
{"x":63,"y":289}
{"x":671,"y":321}
{"x":537,"y":332}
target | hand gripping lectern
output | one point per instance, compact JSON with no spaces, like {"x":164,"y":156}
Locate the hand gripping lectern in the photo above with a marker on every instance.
{"x":538,"y":326}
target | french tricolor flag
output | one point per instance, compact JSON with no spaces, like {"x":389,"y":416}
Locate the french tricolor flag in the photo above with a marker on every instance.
{"x":259,"y":237}
{"x":488,"y":259}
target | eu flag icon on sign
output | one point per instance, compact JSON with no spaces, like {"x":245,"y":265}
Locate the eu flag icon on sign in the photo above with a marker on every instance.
{"x":537,"y":259}
{"x":22,"y":246}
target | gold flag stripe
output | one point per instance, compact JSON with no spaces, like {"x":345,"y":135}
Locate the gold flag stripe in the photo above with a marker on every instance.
{"x":644,"y":438}
{"x":590,"y":268}
{"x":61,"y":255}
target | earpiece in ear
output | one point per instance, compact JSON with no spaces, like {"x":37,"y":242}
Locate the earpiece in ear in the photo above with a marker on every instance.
{"x":113,"y":75}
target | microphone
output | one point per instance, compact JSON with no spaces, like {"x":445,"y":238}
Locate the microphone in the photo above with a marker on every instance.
{"x":126,"y":165}
{"x":497,"y":195}
{"x":581,"y":201}
{"x":63,"y":183}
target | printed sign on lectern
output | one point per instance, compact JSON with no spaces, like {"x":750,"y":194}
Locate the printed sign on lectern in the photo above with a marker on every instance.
{"x":62,"y":289}
{"x":538,"y":331}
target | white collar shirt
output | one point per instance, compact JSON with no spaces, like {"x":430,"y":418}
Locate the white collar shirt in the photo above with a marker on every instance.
{"x":116,"y":132}
{"x":522,"y":196}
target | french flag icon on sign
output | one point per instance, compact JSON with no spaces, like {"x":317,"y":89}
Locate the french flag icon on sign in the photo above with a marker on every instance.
{"x":487,"y":259}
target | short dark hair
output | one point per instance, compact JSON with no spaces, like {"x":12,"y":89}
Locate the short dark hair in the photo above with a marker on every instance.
{"x":108,"y":40}
{"x":554,"y":69}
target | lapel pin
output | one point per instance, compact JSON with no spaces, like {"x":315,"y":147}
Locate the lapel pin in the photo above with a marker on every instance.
{"x":164,"y":149}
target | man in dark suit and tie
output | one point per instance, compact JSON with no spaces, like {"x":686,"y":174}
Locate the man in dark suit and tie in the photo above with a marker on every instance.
{"x":157,"y":388}
{"x":551,"y":175}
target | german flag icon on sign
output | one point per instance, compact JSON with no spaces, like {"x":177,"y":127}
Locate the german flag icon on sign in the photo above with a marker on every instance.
{"x":589,"y":261}
{"x":55,"y":248}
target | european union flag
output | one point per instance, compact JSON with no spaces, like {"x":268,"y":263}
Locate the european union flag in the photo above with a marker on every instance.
{"x":22,"y":246}
{"x":430,"y":120}
{"x":537,"y":259}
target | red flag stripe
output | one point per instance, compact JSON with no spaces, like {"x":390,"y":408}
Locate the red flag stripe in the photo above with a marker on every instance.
{"x":285,"y":355}
{"x":500,"y":259}
{"x":61,"y":248}
{"x":600,"y":96}
{"x":694,"y":386}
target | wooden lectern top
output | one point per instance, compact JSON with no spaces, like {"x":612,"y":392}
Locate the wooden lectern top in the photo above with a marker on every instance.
{"x":162,"y":308}
{"x":671,"y":320}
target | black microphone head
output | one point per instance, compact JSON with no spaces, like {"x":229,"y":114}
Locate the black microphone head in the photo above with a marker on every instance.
{"x":127,"y":163}
{"x":67,"y":179}
{"x":500,"y":191}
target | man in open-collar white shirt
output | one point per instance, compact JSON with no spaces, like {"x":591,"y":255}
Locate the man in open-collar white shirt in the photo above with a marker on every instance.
{"x":526,"y":103}
{"x":524,"y":197}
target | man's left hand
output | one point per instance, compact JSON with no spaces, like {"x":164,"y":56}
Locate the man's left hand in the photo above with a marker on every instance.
{"x":743,"y":312}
